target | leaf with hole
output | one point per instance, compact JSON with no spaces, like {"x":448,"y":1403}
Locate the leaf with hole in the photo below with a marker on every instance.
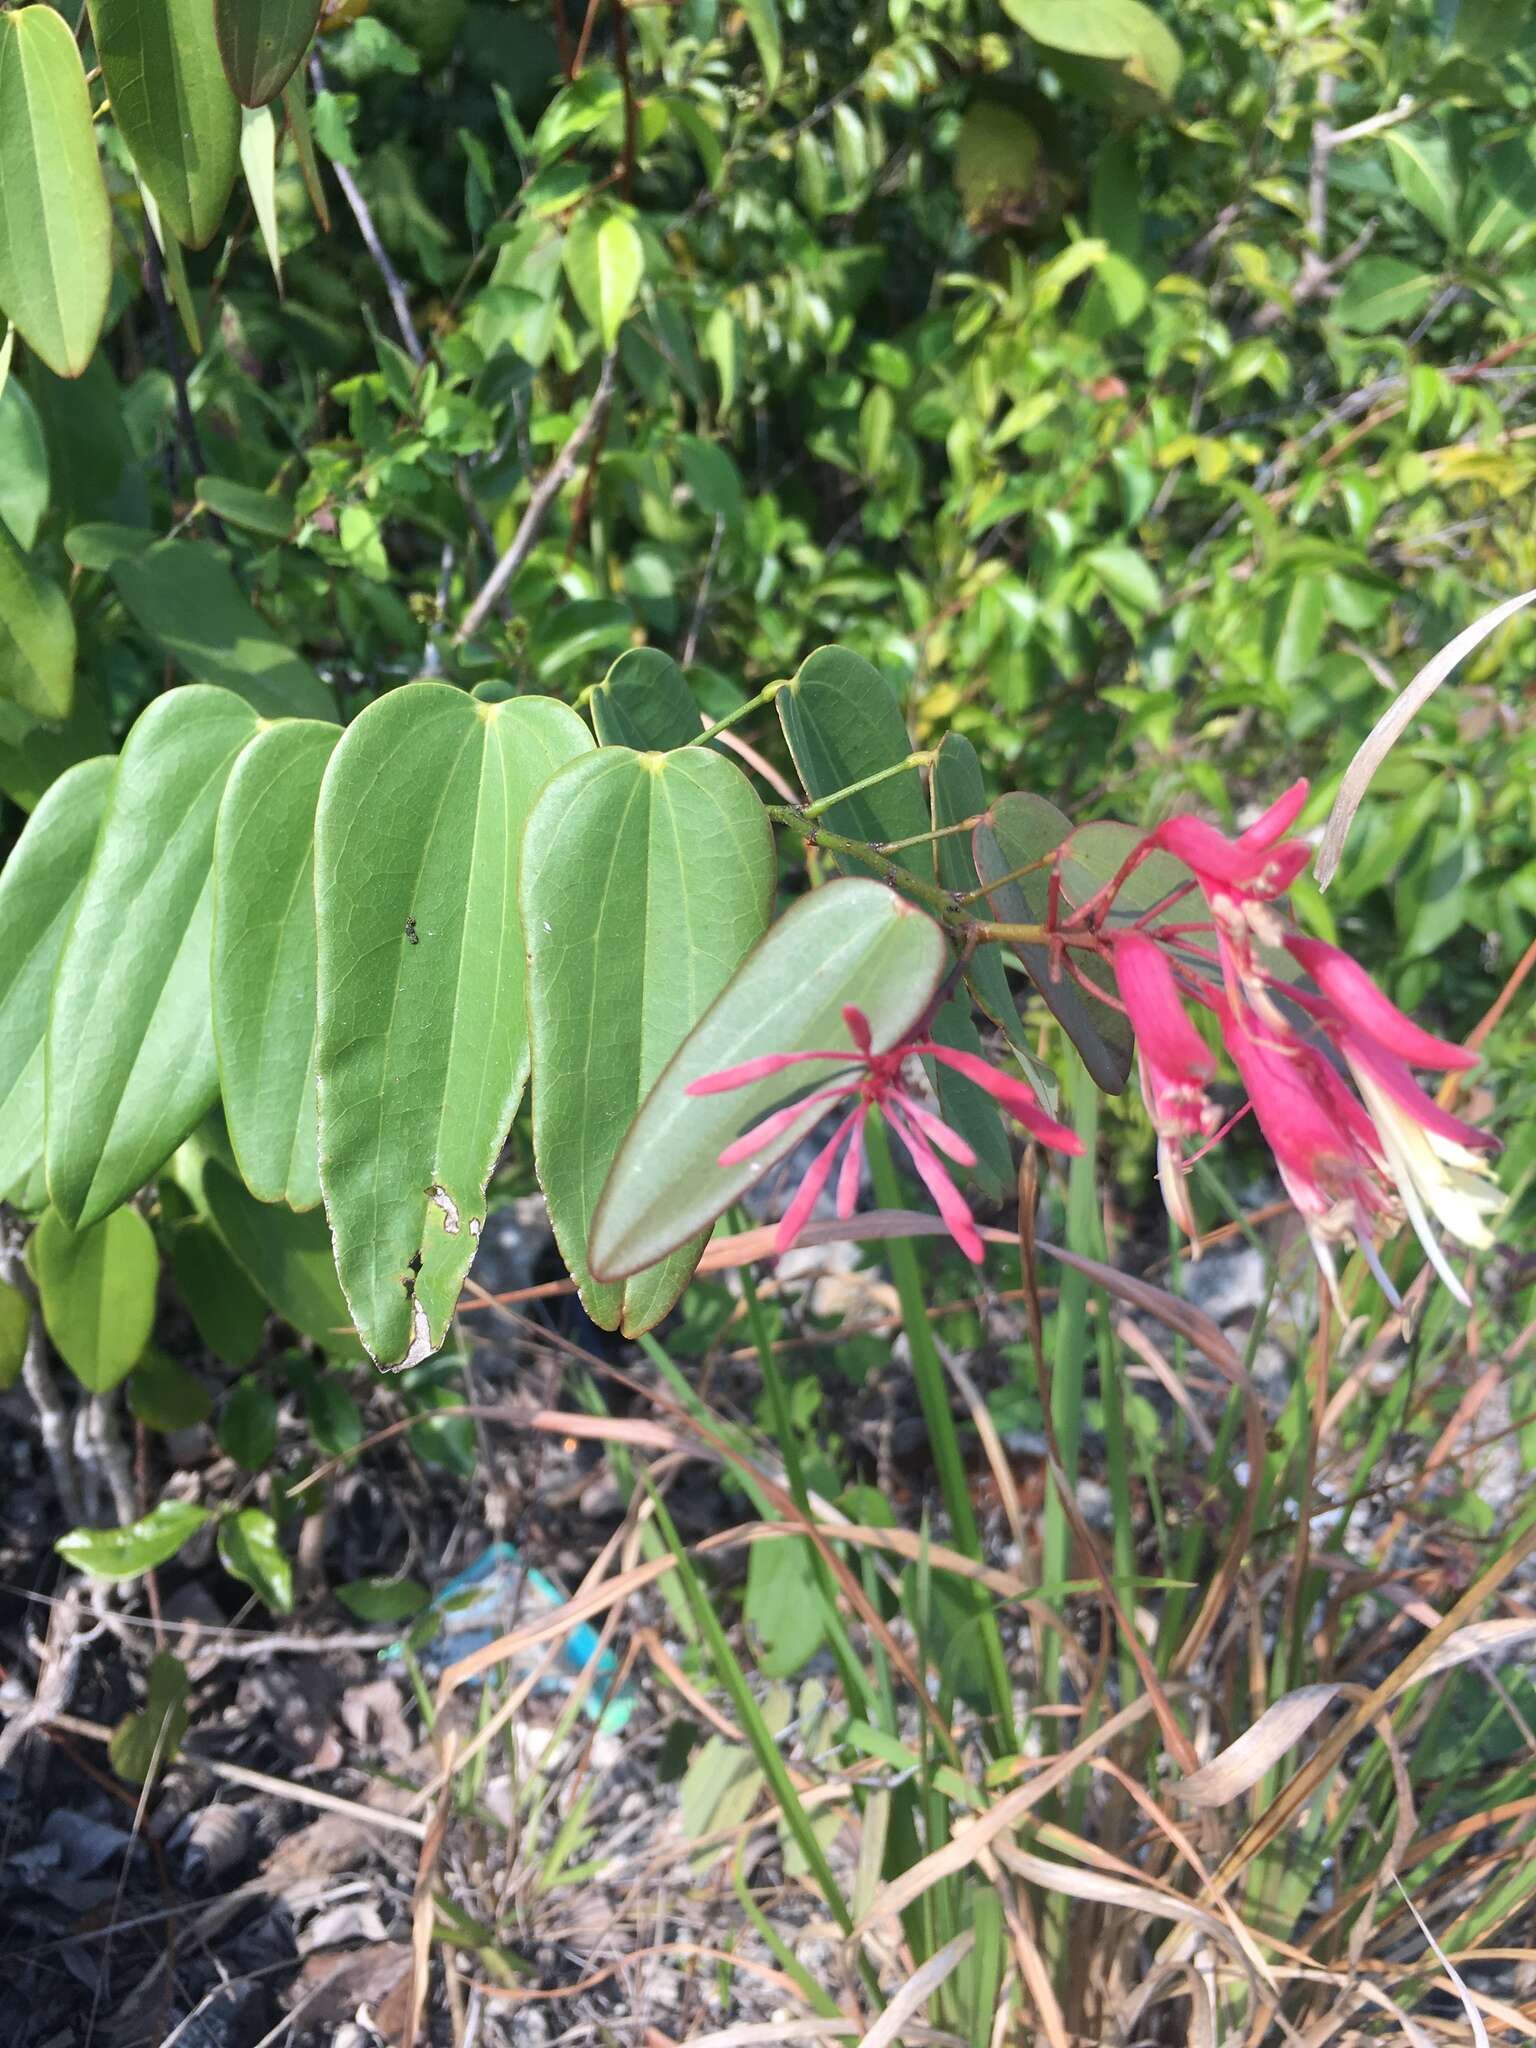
{"x":140,"y":1546}
{"x":643,"y":702}
{"x":264,"y":949}
{"x":645,"y":879}
{"x":130,"y":1058}
{"x":172,"y":106}
{"x":39,"y":889}
{"x":183,"y":595}
{"x":261,"y":42}
{"x":423,"y":1041}
{"x":55,"y":221}
{"x":852,"y":942}
{"x":843,"y":724}
{"x":37,"y":636}
{"x":97,"y":1289}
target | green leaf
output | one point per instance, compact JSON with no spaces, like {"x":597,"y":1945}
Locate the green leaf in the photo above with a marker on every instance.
{"x":144,"y":1744}
{"x":15,"y":1326}
{"x":968,"y":1109}
{"x":23,"y":464}
{"x":258,"y":160}
{"x":37,"y":635}
{"x":712,"y":476}
{"x":296,"y":107}
{"x":1018,"y":830}
{"x":762,"y":19}
{"x":33,"y":755}
{"x":1381,"y":292}
{"x":567,"y":634}
{"x":264,"y":958}
{"x":1295,"y":619}
{"x":165,"y":1396}
{"x":130,"y":1056}
{"x":851,"y":942}
{"x":1425,"y":174}
{"x":55,"y":222}
{"x":604,"y":260}
{"x":172,"y":106}
{"x":243,"y":505}
{"x":140,"y":1547}
{"x":97,"y":1289}
{"x":39,"y":889}
{"x":286,"y":1257}
{"x":334,"y":1420}
{"x":1123,"y":31}
{"x":249,"y":1550}
{"x":645,"y":879}
{"x":184,"y":597}
{"x":842,"y":722}
{"x":229,"y":1313}
{"x":248,"y":1424}
{"x":383,"y":1600}
{"x":260,"y":44}
{"x":643,"y":702}
{"x":783,"y":1606}
{"x":423,"y":1042}
{"x":1126,"y":576}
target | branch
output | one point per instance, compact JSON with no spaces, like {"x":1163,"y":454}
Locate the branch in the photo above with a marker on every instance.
{"x":53,"y":1417}
{"x":376,"y":249}
{"x":545,"y":492}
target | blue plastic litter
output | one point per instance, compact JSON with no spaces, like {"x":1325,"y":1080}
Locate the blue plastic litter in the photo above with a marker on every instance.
{"x":492,"y":1597}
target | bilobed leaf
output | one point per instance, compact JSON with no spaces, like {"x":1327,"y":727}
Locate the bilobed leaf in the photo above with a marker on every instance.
{"x":97,"y":1288}
{"x":249,"y":1549}
{"x":604,"y":260}
{"x":37,"y":635}
{"x":852,"y":942}
{"x":141,"y":1546}
{"x":130,"y":1056}
{"x":423,"y":1042}
{"x":1018,"y":830}
{"x":39,"y":888}
{"x":264,"y":958}
{"x":55,"y":222}
{"x":184,"y":597}
{"x":260,"y":44}
{"x":842,"y":722}
{"x":144,"y":1744}
{"x":645,"y":879}
{"x":172,"y":106}
{"x":643,"y":702}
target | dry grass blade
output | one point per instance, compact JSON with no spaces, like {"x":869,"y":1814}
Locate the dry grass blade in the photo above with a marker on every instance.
{"x":1390,"y":727}
{"x":918,"y":1989}
{"x":422,"y":1910}
{"x":1474,"y":2017}
{"x":1239,"y":1767}
{"x":1103,"y":1890}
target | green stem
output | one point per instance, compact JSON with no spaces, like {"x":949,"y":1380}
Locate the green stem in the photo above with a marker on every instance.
{"x":823,"y":804}
{"x":1071,"y":1354}
{"x":943,"y":1439}
{"x":764,"y":696}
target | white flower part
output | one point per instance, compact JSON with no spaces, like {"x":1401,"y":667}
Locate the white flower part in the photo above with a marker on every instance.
{"x":1433,"y":1174}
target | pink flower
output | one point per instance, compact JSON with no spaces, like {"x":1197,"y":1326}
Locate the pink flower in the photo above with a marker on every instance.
{"x":1173,"y":1061}
{"x":1255,"y":868}
{"x":875,"y":1080}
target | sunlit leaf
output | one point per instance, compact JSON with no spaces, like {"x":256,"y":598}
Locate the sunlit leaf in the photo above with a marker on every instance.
{"x":423,"y":1041}
{"x":842,"y":722}
{"x":645,"y":879}
{"x":37,"y":635}
{"x":141,"y":1546}
{"x":643,"y":702}
{"x":604,"y":261}
{"x":250,"y":1549}
{"x":143,"y":1744}
{"x":260,"y":44}
{"x":172,"y":106}
{"x":97,"y":1288}
{"x":851,"y":942}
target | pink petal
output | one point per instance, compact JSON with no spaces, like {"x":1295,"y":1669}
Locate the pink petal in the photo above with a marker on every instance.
{"x":1395,"y":1078}
{"x":756,"y":1070}
{"x":1277,"y":820}
{"x":1018,"y":1100}
{"x":1347,"y":985}
{"x":852,"y":1167}
{"x":951,"y":1203}
{"x":1150,"y":992}
{"x":773,"y":1126}
{"x":798,"y":1212}
{"x":949,"y":1142}
{"x":858,"y":1028}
